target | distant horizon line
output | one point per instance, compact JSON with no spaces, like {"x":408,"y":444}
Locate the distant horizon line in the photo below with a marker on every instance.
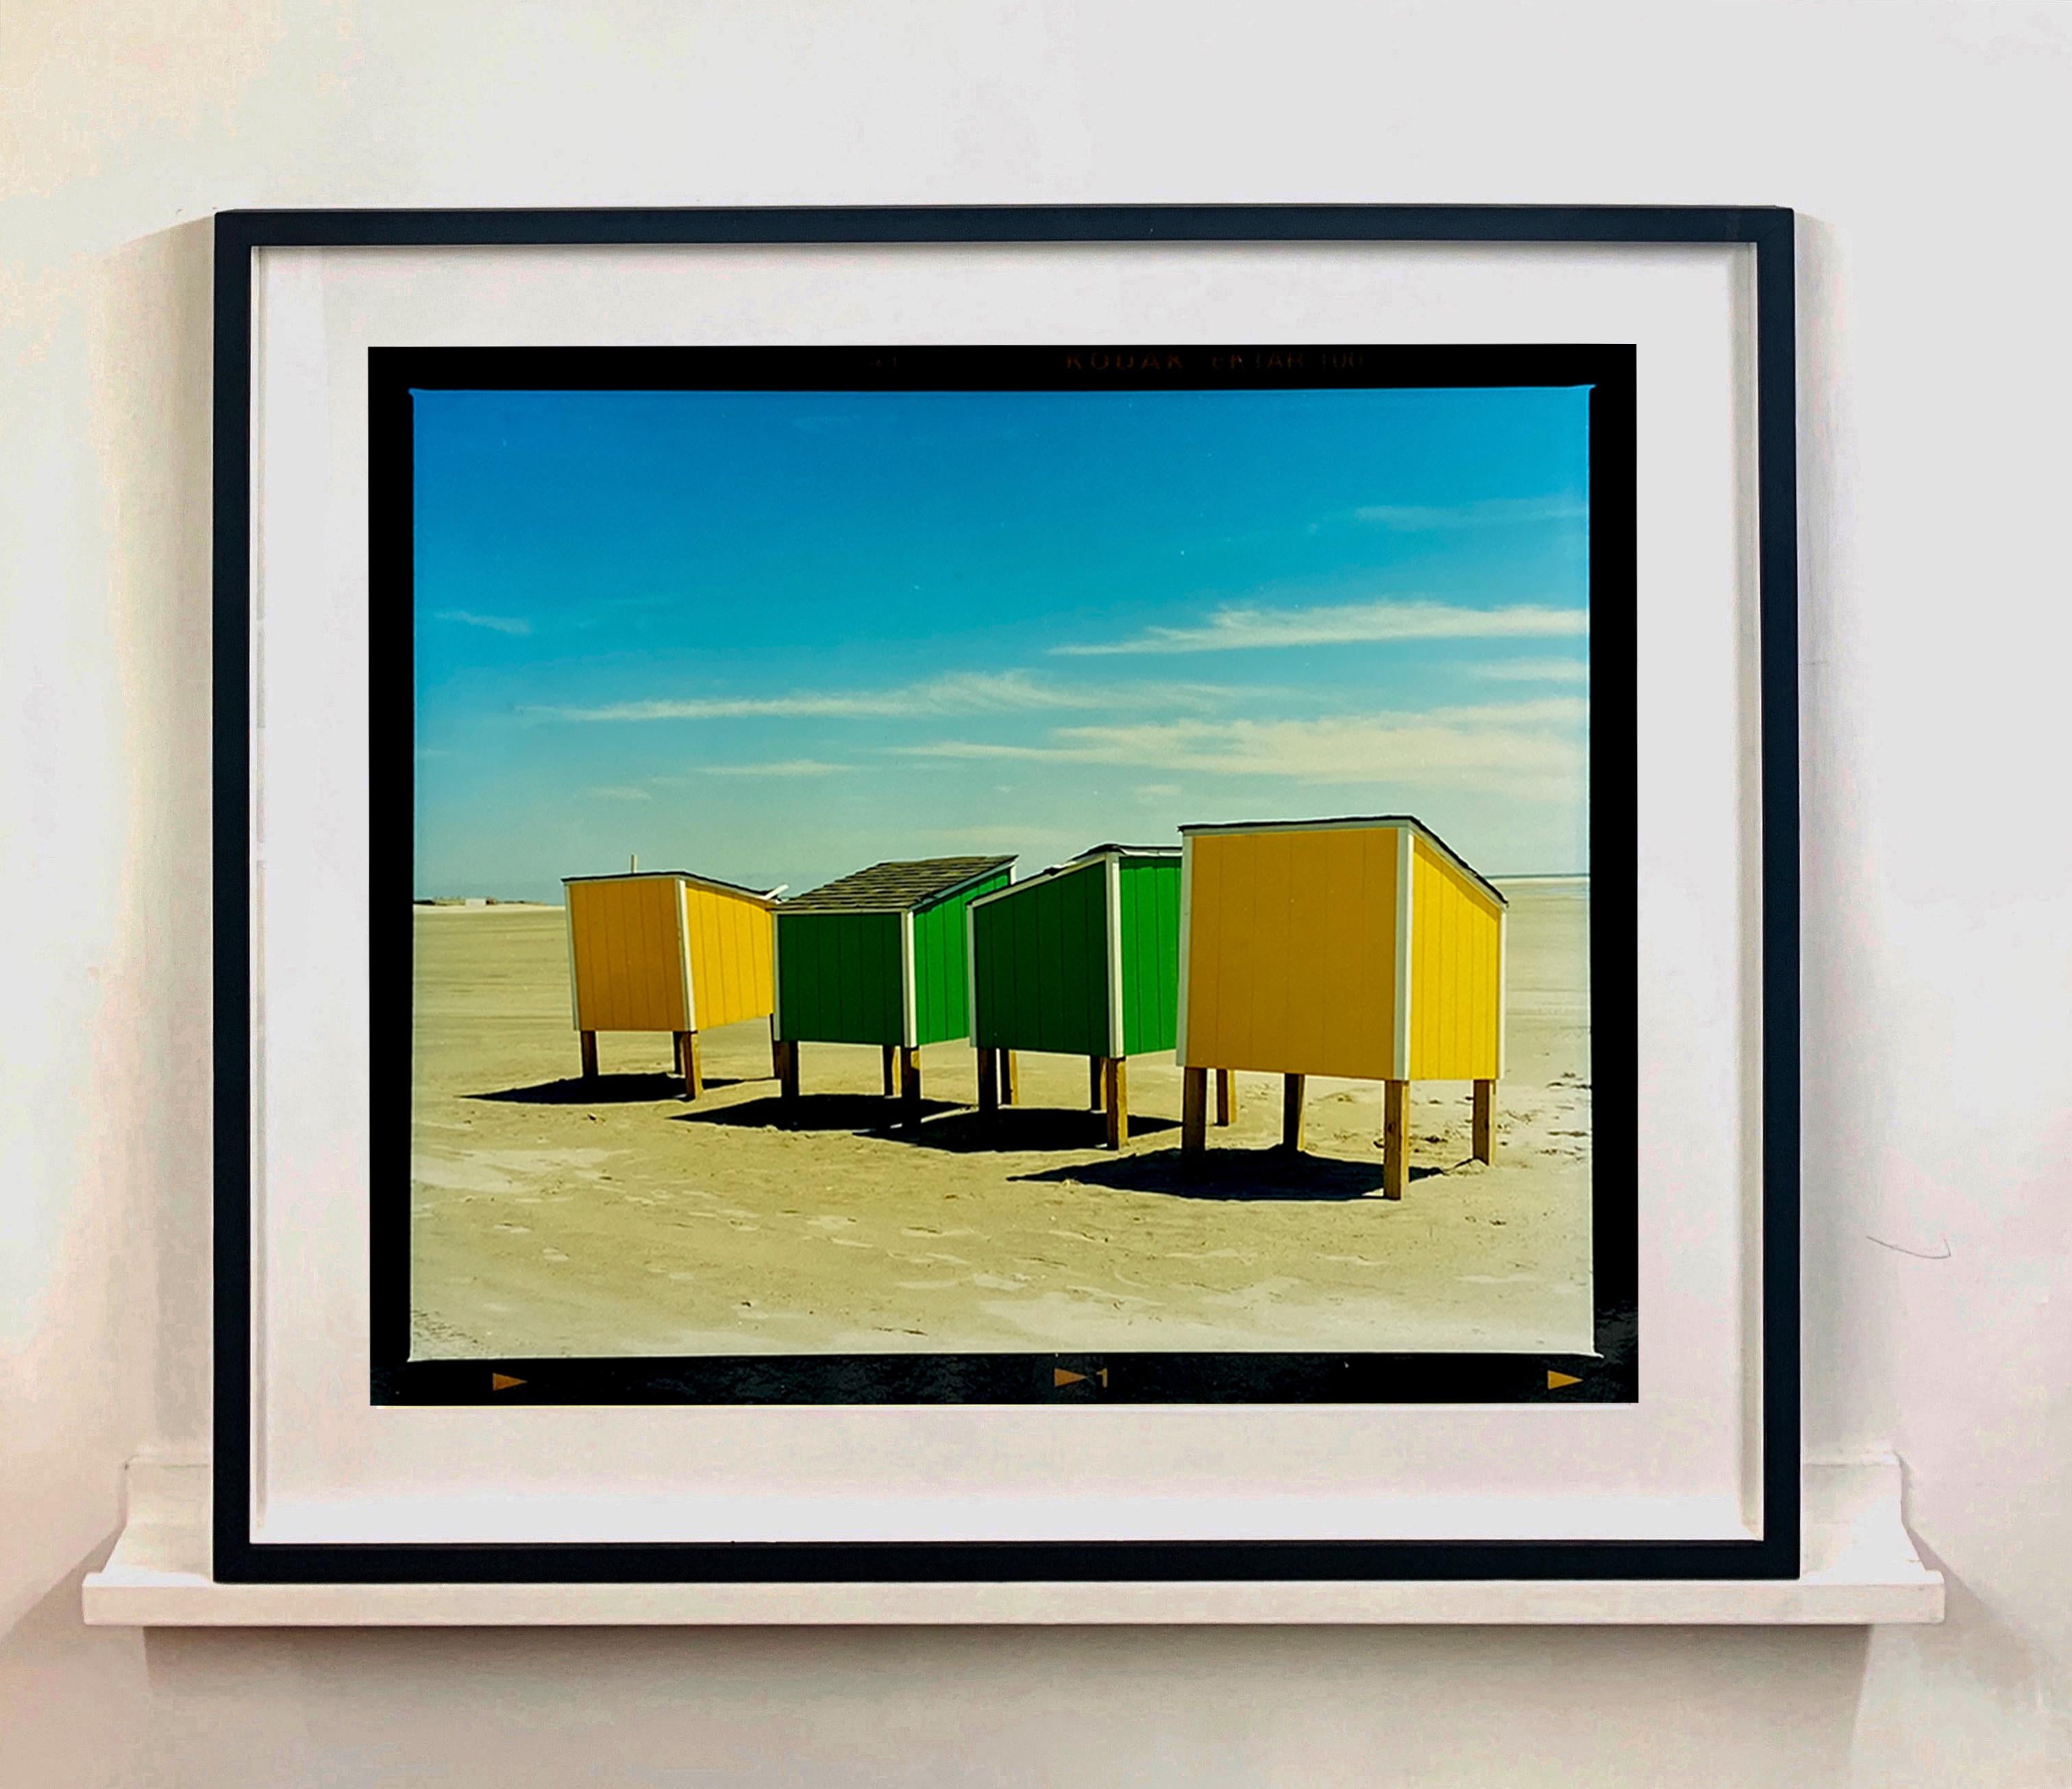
{"x":520,"y":900}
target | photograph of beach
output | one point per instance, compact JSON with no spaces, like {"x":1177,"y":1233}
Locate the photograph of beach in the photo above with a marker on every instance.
{"x":971,"y":872}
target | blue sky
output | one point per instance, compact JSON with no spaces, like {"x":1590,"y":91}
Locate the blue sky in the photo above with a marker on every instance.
{"x":774,"y":637}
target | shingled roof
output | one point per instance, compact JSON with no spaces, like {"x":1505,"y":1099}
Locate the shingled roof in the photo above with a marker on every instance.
{"x":896,"y":887}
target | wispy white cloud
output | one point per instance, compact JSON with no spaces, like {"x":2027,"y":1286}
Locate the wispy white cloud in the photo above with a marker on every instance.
{"x":961,"y":693}
{"x":1534,"y":748}
{"x":624,"y":792}
{"x":783,"y":766}
{"x":1245,"y":628}
{"x":1484,"y":513}
{"x":1533,"y":670}
{"x":496,"y":624}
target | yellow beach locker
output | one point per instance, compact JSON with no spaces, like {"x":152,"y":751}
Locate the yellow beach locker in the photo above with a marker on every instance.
{"x":666,"y":950}
{"x":1364,"y":948}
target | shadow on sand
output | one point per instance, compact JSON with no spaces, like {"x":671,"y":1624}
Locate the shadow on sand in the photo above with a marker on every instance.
{"x":607,"y":1090}
{"x":1028,"y":1129}
{"x":1261,"y":1175}
{"x":858,"y":1111}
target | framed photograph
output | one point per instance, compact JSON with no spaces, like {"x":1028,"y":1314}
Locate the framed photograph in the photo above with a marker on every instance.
{"x":1006,"y":896}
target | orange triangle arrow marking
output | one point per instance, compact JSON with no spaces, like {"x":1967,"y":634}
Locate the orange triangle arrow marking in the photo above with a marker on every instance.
{"x":1556,"y":1381}
{"x":1060,"y":1376}
{"x":502,"y":1382}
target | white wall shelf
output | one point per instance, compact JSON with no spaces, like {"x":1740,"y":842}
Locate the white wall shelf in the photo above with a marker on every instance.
{"x":1860,"y":1569}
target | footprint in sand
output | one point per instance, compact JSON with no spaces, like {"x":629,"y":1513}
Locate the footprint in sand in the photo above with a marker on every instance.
{"x":927,"y":1285}
{"x":551,"y":1255}
{"x":847,"y":1242}
{"x":830,"y":1223}
{"x":993,"y":1282}
{"x":511,"y":1229}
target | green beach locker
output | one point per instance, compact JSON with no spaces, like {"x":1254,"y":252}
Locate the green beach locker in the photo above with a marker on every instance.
{"x":1084,"y":960}
{"x":877,"y":956}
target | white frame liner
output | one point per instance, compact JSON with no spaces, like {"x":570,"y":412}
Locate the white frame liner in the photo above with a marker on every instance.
{"x":323,"y":1468}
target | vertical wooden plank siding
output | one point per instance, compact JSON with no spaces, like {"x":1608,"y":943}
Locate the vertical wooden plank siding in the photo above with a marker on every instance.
{"x":629,"y":974}
{"x":940,"y":1007}
{"x":730,"y":956}
{"x":1150,"y":953}
{"x":841,"y":982}
{"x":1319,"y":864}
{"x":1291,"y":952}
{"x":1456,"y":977}
{"x":1041,"y":956}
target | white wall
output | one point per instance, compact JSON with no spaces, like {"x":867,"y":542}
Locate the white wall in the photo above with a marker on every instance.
{"x":1928,"y":147}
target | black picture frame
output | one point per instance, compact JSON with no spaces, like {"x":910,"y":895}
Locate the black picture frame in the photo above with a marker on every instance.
{"x":238,"y":1558}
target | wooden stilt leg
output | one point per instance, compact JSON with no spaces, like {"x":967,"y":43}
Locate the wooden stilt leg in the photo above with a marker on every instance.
{"x":1291,"y":1111}
{"x":1485,"y":1128}
{"x":910,"y":1084}
{"x":1194,"y":1110}
{"x":776,"y":1050}
{"x":892,"y":1056}
{"x":1010,"y":1081}
{"x":691,"y":1064}
{"x":788,"y":1074}
{"x":1394,"y":1138}
{"x":1225,"y":1097}
{"x":676,"y":1052}
{"x":1114,"y":1077}
{"x":988,"y":1080}
{"x":1094,"y":1072}
{"x":589,"y":1039}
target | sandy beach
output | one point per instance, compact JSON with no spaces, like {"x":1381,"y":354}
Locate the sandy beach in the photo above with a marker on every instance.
{"x":552,"y":1218}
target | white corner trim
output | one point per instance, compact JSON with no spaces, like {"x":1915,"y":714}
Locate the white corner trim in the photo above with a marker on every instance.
{"x":1406,"y":852}
{"x":909,"y":1029}
{"x":1502,"y":993}
{"x":683,"y":951}
{"x":1114,"y":890}
{"x":970,"y":972}
{"x":575,"y":999}
{"x":1186,"y":947}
